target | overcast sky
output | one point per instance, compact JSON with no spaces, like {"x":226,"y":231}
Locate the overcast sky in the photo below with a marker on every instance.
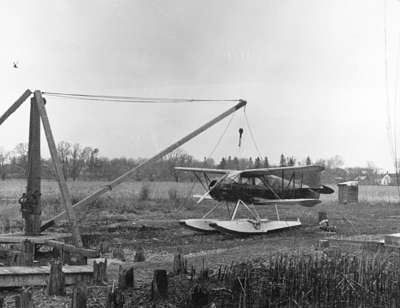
{"x":312,"y":72}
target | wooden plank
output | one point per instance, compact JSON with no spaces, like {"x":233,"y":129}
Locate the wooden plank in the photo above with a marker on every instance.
{"x":32,"y":213}
{"x":90,"y":253}
{"x":19,"y":276}
{"x":65,"y":195}
{"x":15,"y":106}
{"x":11,"y":238}
{"x":153,"y":159}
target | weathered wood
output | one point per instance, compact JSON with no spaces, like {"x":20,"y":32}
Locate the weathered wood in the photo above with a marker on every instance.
{"x":31,"y":208}
{"x":159,"y":285}
{"x":71,"y":248}
{"x":24,"y":300}
{"x":15,"y":106}
{"x":153,"y":159}
{"x":115,"y":298}
{"x":65,"y":195}
{"x":118,"y":253}
{"x":126,"y":277}
{"x":100,"y":272}
{"x":10,"y":238}
{"x":19,"y":276}
{"x":180,"y":263}
{"x":56,"y":285}
{"x":28,"y":253}
{"x":139,"y":255}
{"x":79,"y":296}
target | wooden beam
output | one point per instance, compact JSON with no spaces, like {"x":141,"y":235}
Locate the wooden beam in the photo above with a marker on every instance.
{"x":65,"y":195}
{"x":15,"y":106}
{"x":19,"y":276}
{"x":31,"y":211}
{"x":90,"y":253}
{"x":158,"y":156}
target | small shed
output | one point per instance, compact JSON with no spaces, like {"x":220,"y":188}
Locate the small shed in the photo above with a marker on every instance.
{"x":348,"y":192}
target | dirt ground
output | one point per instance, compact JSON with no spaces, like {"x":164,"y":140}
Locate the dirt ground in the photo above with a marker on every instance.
{"x":153,"y":225}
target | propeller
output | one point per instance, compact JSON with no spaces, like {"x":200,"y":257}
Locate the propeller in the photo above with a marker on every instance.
{"x":212,"y":186}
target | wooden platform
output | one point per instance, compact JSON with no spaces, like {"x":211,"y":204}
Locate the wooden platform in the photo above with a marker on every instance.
{"x":19,"y":276}
{"x":14,"y":238}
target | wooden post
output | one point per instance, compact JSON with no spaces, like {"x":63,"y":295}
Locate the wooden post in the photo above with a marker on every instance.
{"x":126,"y":277}
{"x":65,"y":195}
{"x":100,"y":272}
{"x":31,"y":208}
{"x":79,"y":296}
{"x":159,"y":285}
{"x":56,"y":284}
{"x":24,"y":300}
{"x":115,"y":298}
{"x":180,"y":264}
{"x":153,"y":159}
{"x":1,"y":302}
{"x":28,"y":253}
{"x":139,"y":255}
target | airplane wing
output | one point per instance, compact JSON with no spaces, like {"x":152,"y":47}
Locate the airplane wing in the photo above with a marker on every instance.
{"x":308,"y":175}
{"x":279,"y":170}
{"x":302,"y":202}
{"x":206,"y":170}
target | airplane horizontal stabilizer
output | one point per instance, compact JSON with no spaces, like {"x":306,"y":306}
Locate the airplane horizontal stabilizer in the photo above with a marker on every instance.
{"x":302,"y":202}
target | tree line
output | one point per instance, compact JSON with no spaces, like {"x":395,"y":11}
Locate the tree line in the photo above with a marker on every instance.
{"x":86,"y":163}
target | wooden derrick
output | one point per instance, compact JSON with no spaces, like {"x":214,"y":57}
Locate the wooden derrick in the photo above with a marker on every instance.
{"x":79,"y":296}
{"x":56,"y":283}
{"x":180,"y":263}
{"x":139,"y":255}
{"x":159,"y":285}
{"x":65,"y":194}
{"x":115,"y":298}
{"x":126,"y":277}
{"x":100,"y":272}
{"x":24,"y":300}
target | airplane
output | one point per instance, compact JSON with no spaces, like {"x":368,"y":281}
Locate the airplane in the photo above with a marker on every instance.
{"x":248,"y":188}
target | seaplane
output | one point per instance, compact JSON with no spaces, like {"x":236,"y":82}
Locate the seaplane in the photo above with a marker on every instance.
{"x":299,"y":185}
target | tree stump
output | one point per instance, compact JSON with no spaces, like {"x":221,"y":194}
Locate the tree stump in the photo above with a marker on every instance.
{"x":159,"y":285}
{"x":139,"y":255}
{"x":56,"y":283}
{"x":100,"y":272}
{"x":28,"y":253}
{"x":126,"y":278}
{"x":118,"y":253}
{"x":180,"y":263}
{"x":115,"y":298}
{"x":24,"y":300}
{"x":79,"y":296}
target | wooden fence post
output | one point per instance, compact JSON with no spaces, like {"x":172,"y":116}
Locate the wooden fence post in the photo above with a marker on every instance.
{"x":100,"y":272}
{"x":159,"y":285}
{"x":56,"y":284}
{"x":79,"y":296}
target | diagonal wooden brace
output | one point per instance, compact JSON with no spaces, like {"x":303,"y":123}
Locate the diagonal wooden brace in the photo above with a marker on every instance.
{"x":65,"y":195}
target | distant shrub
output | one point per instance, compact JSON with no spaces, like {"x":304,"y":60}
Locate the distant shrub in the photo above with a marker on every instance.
{"x":144,"y":193}
{"x":173,"y":194}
